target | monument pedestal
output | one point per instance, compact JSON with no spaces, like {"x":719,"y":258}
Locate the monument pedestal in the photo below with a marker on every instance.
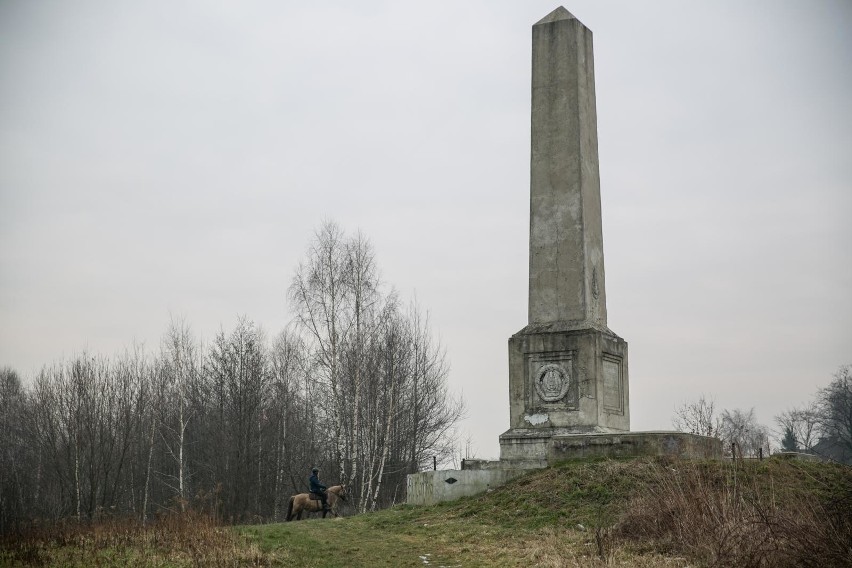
{"x":565,"y":378}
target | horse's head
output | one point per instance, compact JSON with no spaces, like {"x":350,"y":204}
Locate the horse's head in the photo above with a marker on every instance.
{"x":339,"y":490}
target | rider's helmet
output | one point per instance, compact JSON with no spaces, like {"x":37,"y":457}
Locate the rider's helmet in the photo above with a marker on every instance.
{"x":315,"y":470}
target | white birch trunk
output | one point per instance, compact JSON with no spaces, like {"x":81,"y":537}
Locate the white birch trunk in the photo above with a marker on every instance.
{"x":388,"y":426}
{"x":279,"y":466}
{"x":148,"y":471}
{"x":181,"y":438}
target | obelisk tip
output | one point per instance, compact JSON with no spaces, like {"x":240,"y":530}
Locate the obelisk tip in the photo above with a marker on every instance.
{"x":558,"y":14}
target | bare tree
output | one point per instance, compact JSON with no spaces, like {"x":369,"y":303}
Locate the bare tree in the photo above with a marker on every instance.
{"x":45,"y":422}
{"x":799,"y":427}
{"x":181,"y":368}
{"x":361,"y":280}
{"x":238,"y":371}
{"x":290,"y":415}
{"x":322,"y":301}
{"x":741,"y":428}
{"x":147,"y":438}
{"x":357,"y":382}
{"x":383,"y":382}
{"x":698,"y":417}
{"x":128,"y":382}
{"x":432,"y":408}
{"x":835,"y":409}
{"x":14,"y":456}
{"x":391,"y":356}
{"x":84,"y":421}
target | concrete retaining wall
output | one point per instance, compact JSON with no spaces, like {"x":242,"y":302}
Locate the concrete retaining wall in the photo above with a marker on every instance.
{"x":430,"y":487}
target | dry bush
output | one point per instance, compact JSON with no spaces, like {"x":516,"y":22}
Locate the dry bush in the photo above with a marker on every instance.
{"x":726,"y":517}
{"x":174,"y":539}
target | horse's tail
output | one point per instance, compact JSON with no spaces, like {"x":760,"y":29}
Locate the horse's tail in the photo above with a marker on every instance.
{"x":290,"y":509}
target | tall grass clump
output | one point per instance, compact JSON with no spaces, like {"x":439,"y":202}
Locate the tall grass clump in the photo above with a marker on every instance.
{"x":745,"y":514}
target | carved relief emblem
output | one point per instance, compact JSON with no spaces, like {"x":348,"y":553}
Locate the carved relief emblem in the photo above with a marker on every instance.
{"x":551,"y":383}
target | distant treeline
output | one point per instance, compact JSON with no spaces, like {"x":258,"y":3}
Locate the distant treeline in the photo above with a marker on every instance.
{"x":356,"y":387}
{"x":822,"y":427}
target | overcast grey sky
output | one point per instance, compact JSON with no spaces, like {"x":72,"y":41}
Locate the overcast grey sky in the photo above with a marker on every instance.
{"x":168,"y":158}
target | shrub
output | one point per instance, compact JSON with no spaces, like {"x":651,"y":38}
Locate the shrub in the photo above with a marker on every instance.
{"x":730,"y":515}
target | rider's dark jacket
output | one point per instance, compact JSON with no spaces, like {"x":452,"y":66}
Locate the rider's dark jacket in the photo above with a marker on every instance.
{"x":316,"y":486}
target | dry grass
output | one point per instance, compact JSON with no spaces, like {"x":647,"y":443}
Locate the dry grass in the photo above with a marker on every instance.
{"x":186,"y":539}
{"x":572,"y":548}
{"x":737,"y":515}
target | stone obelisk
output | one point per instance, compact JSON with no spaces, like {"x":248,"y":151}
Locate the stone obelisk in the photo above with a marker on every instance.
{"x":567,"y":369}
{"x":568,"y":395}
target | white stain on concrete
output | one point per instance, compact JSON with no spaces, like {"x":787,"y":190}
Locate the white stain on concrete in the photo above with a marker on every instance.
{"x":536,"y":419}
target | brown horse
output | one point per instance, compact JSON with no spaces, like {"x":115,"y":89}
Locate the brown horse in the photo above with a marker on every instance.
{"x":306,"y":503}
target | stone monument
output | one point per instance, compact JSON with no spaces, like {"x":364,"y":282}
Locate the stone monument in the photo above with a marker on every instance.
{"x":567,"y":369}
{"x":568,"y":387}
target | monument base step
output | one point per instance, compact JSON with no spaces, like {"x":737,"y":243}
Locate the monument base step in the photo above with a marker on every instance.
{"x":552,"y":445}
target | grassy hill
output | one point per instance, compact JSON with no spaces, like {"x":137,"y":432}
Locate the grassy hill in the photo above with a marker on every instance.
{"x":631,"y":513}
{"x":642,"y":512}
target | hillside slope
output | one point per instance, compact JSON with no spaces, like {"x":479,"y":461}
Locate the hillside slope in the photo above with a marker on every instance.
{"x":643,"y":512}
{"x":595,"y":513}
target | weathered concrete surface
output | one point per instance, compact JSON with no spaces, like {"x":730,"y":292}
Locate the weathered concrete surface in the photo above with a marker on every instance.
{"x":594,"y":364}
{"x":567,"y":369}
{"x":566,"y":242}
{"x":563,"y":445}
{"x":430,"y":487}
{"x":475,"y":464}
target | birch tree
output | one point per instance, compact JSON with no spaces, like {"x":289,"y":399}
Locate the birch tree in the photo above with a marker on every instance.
{"x":361,"y":282}
{"x":383,"y":382}
{"x":322,"y":302}
{"x":290,"y":415}
{"x":181,"y":366}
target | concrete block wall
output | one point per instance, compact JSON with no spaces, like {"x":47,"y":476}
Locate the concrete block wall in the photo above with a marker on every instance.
{"x":431,"y":487}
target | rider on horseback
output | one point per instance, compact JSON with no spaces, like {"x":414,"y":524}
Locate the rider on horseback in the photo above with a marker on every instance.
{"x":318,"y":488}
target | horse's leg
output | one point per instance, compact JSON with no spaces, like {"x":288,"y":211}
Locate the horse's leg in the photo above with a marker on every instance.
{"x":332,"y":504}
{"x":296,"y":512}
